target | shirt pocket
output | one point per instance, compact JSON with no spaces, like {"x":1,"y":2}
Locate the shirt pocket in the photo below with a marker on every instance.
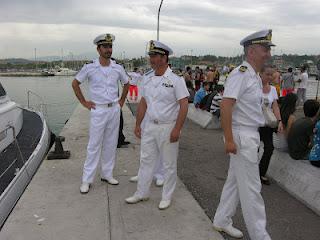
{"x":167,"y":93}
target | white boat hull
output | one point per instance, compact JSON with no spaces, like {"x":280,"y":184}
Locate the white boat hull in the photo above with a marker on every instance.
{"x":15,"y":189}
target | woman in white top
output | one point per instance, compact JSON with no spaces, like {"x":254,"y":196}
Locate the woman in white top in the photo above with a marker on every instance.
{"x":270,"y":98}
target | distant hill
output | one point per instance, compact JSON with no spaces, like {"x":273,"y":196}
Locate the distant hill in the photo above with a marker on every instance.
{"x":82,"y":56}
{"x":15,"y":61}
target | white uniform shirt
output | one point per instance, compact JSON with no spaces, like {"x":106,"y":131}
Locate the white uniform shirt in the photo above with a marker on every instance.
{"x":162,"y":94}
{"x":304,"y":80}
{"x":103,"y":81}
{"x":246,"y":88}
{"x":135,"y":78}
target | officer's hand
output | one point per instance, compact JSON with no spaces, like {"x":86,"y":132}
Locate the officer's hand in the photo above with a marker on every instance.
{"x":230,"y":147}
{"x":174,"y":136}
{"x":137,"y":131}
{"x":89,"y":105}
{"x":121,"y":102}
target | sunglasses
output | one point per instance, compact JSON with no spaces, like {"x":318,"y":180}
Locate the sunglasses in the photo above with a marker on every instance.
{"x":106,"y":45}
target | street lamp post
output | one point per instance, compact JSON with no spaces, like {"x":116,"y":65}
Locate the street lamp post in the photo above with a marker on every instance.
{"x":158,"y":20}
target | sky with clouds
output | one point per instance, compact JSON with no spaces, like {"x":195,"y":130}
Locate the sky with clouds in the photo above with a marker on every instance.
{"x":195,"y":27}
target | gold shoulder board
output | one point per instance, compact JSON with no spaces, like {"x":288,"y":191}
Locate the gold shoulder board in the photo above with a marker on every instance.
{"x":243,"y":68}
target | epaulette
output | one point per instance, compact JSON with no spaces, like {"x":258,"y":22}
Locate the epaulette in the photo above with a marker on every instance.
{"x":150,"y":71}
{"x":115,"y":61}
{"x":89,"y":62}
{"x":243,"y":68}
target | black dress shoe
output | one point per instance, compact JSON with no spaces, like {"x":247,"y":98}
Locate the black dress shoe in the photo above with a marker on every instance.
{"x":265,"y":180}
{"x":125,"y":143}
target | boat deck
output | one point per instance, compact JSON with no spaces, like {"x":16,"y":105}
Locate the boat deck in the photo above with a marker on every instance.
{"x":28,"y":138}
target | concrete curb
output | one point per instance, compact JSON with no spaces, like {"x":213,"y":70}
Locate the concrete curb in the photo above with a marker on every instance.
{"x":299,"y":178}
{"x":203,"y":118}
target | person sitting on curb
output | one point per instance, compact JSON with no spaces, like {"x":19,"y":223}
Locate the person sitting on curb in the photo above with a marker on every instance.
{"x":200,"y":94}
{"x":301,"y":133}
{"x":216,"y":100}
{"x":314,"y":156}
{"x":287,"y":110}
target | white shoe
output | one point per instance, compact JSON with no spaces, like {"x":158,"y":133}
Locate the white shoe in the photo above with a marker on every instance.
{"x":134,"y":179}
{"x":159,"y":182}
{"x":135,"y":199}
{"x":84,"y":188}
{"x":230,"y":230}
{"x":111,"y":181}
{"x":164,"y":204}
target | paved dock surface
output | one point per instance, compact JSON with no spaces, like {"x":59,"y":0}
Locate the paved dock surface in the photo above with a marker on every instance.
{"x":52,"y":207}
{"x":203,"y":166}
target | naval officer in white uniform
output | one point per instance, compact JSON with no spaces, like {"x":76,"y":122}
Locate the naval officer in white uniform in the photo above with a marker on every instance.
{"x":164,"y":104}
{"x":103,"y":76}
{"x":242,"y":115}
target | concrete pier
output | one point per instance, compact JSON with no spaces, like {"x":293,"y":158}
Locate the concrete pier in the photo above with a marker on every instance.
{"x":53,"y":208}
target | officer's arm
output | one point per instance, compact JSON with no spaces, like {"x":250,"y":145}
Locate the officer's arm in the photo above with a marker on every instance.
{"x":142,"y":107}
{"x":226,"y":118}
{"x":77,"y":91}
{"x":182,"y":113}
{"x":124,"y":93}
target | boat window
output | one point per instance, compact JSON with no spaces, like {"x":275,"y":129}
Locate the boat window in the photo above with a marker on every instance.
{"x":2,"y":91}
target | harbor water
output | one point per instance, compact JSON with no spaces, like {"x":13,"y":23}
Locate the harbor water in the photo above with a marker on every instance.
{"x":52,"y":95}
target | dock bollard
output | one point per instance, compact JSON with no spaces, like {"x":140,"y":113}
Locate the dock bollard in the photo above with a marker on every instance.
{"x":58,"y":152}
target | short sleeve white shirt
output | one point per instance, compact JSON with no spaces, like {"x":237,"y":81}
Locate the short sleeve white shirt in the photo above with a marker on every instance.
{"x":103,"y":81}
{"x":304,"y":80}
{"x":135,"y":78}
{"x":270,"y":97}
{"x":246,"y":88}
{"x":162,"y":94}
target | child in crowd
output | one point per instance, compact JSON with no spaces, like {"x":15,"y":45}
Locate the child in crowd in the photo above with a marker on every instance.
{"x":216,"y":100}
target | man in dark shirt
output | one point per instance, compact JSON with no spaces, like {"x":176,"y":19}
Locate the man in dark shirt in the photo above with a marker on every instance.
{"x":301,"y":132}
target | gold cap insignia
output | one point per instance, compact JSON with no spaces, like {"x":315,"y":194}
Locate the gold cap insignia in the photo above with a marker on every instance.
{"x":269,"y":36}
{"x":152,"y":46}
{"x":108,"y":38}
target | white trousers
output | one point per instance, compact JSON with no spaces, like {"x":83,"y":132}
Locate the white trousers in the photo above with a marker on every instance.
{"x":158,"y":169}
{"x":103,"y":139}
{"x":302,"y":97}
{"x":243,"y":184}
{"x":155,"y":141}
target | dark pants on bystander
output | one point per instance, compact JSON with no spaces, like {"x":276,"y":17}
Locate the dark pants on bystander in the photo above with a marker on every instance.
{"x":121,"y":137}
{"x":266,"y":137}
{"x":315,"y":163}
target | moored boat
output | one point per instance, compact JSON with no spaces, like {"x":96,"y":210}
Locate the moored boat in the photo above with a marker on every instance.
{"x":24,"y":142}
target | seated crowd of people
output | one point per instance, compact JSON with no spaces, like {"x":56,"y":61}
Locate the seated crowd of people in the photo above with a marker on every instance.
{"x":300,"y":135}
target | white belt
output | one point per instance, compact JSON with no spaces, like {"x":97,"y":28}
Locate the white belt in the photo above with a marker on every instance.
{"x":245,"y":128}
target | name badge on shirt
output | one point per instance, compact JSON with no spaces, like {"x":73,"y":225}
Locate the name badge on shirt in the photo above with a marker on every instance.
{"x":168,"y":84}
